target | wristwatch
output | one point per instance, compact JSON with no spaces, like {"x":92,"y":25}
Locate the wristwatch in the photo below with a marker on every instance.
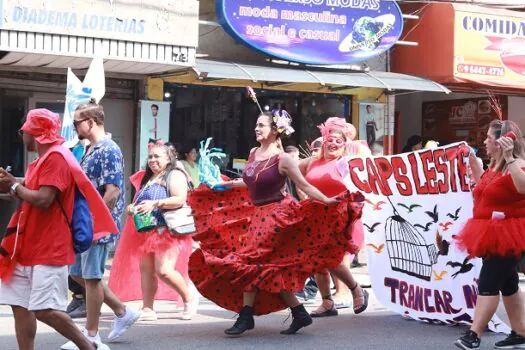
{"x":13,"y":188}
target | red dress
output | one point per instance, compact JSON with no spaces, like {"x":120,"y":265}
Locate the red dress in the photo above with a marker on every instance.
{"x":483,"y":236}
{"x":269,"y":247}
{"x":324,"y":176}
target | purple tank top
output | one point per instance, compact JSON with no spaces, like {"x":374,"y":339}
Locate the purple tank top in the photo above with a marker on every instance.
{"x":265,"y":183}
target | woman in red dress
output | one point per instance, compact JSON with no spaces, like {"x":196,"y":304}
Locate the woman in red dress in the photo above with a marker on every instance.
{"x":321,"y":171}
{"x":496,"y":233}
{"x":259,"y":246}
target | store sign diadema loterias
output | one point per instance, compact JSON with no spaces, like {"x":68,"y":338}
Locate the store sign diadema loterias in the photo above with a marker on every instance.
{"x":314,"y":31}
{"x":158,"y":22}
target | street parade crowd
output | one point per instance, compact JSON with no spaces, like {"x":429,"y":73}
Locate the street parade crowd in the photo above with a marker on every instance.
{"x":247,"y":244}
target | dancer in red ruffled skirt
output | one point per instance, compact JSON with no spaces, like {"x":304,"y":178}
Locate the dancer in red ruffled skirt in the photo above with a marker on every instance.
{"x":259,"y":246}
{"x":496,"y":233}
{"x":321,"y":171}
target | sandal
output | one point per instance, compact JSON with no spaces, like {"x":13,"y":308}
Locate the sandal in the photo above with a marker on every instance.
{"x":327,"y":312}
{"x":364,"y":305}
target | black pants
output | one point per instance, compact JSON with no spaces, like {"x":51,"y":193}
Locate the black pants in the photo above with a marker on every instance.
{"x":370,"y":134}
{"x":499,"y":274}
{"x":75,"y":288}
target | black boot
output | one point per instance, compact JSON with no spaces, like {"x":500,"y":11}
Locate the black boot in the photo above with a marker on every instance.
{"x":244,"y":322}
{"x":300,"y":319}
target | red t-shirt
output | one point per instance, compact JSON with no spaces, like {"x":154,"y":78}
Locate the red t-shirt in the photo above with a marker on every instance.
{"x":47,"y":238}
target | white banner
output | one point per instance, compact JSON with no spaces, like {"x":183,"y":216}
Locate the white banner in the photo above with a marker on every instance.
{"x":415,"y":205}
{"x":78,"y":92}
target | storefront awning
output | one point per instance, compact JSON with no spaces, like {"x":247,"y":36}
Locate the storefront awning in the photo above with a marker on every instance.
{"x":271,"y":77}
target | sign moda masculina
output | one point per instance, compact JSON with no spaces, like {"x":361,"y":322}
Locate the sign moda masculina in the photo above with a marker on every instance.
{"x":314,"y":31}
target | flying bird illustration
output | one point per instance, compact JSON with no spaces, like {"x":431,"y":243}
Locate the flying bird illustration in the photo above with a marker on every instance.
{"x":464,"y":267}
{"x":425,"y":228}
{"x":377,"y":250}
{"x":410,"y":208}
{"x":375,"y":206}
{"x":439,"y":276}
{"x":371,"y":228}
{"x":454,"y":216}
{"x":433,"y":214}
{"x":442,"y":244}
{"x":444,"y":226}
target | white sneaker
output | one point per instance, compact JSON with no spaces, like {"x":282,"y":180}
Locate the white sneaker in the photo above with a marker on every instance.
{"x":72,"y":346}
{"x":148,"y":315}
{"x":121,"y":324}
{"x":101,"y":346}
{"x":190,"y":309}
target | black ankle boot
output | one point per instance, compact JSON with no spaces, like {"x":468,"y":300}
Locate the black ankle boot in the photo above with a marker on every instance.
{"x":300,"y":319}
{"x":244,"y":322}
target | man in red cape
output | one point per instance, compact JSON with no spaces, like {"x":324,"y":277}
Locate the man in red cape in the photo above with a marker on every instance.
{"x":38,"y":244}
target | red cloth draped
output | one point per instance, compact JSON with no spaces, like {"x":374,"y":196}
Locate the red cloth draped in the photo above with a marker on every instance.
{"x":103,"y":223}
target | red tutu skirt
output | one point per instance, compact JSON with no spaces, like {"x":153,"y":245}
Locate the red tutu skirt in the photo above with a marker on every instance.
{"x":265,"y":249}
{"x":483,"y":237}
{"x":124,"y":278}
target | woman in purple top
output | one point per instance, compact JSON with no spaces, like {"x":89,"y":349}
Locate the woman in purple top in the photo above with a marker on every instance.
{"x":259,"y":246}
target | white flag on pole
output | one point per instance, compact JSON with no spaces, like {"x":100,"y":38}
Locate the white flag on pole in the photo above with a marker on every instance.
{"x":79,"y":92}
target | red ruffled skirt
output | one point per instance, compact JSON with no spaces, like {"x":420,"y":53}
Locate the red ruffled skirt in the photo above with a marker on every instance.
{"x":265,"y":249}
{"x":484,"y":237}
{"x":124,"y":278}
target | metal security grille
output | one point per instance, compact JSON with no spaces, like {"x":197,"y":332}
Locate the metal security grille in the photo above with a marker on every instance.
{"x":54,"y":50}
{"x":407,"y":249}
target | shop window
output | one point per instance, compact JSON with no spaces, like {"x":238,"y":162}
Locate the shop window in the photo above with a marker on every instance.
{"x":12,"y":110}
{"x":315,"y":110}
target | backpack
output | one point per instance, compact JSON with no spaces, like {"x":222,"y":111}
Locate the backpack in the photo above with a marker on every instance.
{"x":81,"y":225}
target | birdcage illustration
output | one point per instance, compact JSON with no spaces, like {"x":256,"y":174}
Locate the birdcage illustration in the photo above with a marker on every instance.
{"x":407,"y":249}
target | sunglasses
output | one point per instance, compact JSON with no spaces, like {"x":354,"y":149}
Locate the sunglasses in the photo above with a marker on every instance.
{"x":76,"y":123}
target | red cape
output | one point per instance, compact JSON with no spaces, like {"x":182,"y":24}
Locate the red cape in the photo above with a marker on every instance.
{"x":103,"y":223}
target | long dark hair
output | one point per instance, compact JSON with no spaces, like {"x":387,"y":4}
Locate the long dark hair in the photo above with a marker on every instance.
{"x":172,"y":161}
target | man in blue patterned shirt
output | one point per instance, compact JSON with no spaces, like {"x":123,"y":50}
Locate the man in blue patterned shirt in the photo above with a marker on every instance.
{"x":104,"y":165}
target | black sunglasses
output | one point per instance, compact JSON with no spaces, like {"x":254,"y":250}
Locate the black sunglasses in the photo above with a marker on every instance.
{"x":76,"y":123}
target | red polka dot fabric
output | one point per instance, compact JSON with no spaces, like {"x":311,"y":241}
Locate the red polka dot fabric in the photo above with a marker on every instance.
{"x":268,"y":249}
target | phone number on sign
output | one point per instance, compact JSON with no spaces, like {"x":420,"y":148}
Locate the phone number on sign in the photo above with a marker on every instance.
{"x":481,"y":70}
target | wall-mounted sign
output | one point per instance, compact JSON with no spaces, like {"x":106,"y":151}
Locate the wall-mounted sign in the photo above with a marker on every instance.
{"x":490,"y":48}
{"x":131,"y":20}
{"x":314,"y":31}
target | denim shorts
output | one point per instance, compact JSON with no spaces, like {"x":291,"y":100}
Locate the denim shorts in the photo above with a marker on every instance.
{"x":91,"y":264}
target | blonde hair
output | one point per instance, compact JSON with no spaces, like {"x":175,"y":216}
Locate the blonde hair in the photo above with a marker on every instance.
{"x":501,"y":128}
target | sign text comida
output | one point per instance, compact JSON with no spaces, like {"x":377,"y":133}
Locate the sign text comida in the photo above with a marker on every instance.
{"x":416,"y":204}
{"x":314,"y":31}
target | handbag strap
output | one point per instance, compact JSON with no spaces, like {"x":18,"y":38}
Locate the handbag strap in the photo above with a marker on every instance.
{"x":168,"y":178}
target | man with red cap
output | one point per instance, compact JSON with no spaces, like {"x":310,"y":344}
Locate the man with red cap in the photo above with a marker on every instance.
{"x":38,"y":244}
